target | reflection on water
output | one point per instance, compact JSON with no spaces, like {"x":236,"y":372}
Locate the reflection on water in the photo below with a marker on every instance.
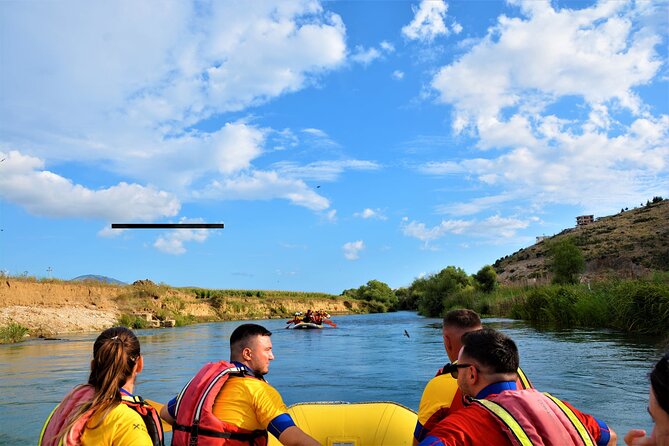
{"x":366,"y":358}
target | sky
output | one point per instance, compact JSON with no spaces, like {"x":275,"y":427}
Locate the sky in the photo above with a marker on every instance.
{"x":337,"y":141}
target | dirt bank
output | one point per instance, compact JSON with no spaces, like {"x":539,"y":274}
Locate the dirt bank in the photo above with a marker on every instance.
{"x":55,"y":307}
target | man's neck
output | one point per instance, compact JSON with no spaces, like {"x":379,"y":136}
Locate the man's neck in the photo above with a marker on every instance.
{"x":496,"y":388}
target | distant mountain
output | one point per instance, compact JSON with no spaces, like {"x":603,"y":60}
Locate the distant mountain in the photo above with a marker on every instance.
{"x":628,"y":244}
{"x":95,"y":278}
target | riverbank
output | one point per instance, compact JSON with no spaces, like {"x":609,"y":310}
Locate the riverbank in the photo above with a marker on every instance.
{"x":51,"y":307}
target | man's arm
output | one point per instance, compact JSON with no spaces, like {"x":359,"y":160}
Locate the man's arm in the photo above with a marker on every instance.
{"x":607,"y":436}
{"x":165,"y":413}
{"x":294,"y":436}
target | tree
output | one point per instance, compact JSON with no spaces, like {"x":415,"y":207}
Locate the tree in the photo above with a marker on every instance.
{"x":486,"y":279}
{"x":377,"y":292}
{"x":438,"y":287}
{"x":566,"y":261}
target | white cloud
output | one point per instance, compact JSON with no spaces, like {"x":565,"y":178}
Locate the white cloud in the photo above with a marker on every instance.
{"x":523,"y":88}
{"x":263,"y":185}
{"x":368,"y":213}
{"x":593,"y":53}
{"x":352,"y":249}
{"x":492,"y":228}
{"x":173,"y":242}
{"x":331,"y":215}
{"x":428,"y":21}
{"x":441,"y":168}
{"x":322,"y":170}
{"x":41,"y":192}
{"x":387,"y":46}
{"x":474,"y":206}
{"x":398,"y":75}
{"x":365,"y":56}
{"x":130,"y":96}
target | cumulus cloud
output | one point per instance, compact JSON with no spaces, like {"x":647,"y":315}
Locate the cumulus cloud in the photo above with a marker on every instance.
{"x":174,"y":242}
{"x":428,"y":22}
{"x":368,"y":213}
{"x":263,"y":185}
{"x":352,"y":249}
{"x":398,"y":75}
{"x":594,"y":53}
{"x":521,"y":90}
{"x":132,"y":96}
{"x":366,"y":56}
{"x":492,"y":228}
{"x":26,"y":183}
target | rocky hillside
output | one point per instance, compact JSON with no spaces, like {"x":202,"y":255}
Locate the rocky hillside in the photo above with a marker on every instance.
{"x":629,"y":244}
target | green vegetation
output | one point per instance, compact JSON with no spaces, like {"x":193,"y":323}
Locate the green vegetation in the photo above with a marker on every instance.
{"x":637,"y":306}
{"x":12,"y":333}
{"x":379,"y":297}
{"x":132,"y":321}
{"x":203,"y":293}
{"x":566,"y":261}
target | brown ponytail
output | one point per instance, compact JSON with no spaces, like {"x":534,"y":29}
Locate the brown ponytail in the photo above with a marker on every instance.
{"x":115,"y":354}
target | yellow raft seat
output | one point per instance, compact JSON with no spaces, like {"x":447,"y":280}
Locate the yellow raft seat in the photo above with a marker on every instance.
{"x":354,"y":424}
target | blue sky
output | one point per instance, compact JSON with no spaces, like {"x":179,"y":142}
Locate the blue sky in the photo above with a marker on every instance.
{"x":338,"y":142}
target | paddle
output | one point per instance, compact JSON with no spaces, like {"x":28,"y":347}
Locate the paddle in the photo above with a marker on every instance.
{"x":329,"y":322}
{"x":156,"y":405}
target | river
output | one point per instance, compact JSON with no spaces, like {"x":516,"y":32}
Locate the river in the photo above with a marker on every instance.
{"x":366,"y":358}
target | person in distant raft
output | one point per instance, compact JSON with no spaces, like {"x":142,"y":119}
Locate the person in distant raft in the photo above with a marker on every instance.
{"x":105,"y":412}
{"x":499,"y":414}
{"x":441,"y":395}
{"x":230,"y":403}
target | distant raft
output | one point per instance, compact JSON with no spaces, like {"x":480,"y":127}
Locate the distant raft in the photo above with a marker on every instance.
{"x":377,"y":423}
{"x":307,"y":326}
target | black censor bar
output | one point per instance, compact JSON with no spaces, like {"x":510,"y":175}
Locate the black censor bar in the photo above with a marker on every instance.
{"x":167,"y":225}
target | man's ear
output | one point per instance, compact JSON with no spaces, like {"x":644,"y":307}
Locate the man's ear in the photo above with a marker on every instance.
{"x":246,"y":353}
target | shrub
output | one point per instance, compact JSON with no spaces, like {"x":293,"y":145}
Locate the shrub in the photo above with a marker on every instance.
{"x":12,"y":333}
{"x":132,"y":321}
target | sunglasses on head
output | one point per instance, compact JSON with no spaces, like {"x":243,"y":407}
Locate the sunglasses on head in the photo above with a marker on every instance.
{"x":453,"y":369}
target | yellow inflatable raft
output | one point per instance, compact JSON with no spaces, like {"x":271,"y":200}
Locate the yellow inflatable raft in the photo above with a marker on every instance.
{"x":354,"y":424}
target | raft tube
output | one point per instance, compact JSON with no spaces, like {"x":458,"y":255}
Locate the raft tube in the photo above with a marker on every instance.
{"x":306,"y":326}
{"x":377,"y":423}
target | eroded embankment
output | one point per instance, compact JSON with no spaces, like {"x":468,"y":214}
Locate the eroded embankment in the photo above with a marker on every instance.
{"x":54,"y":307}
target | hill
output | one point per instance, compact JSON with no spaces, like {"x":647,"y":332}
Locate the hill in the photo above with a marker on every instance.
{"x":629,"y":244}
{"x":96,"y":278}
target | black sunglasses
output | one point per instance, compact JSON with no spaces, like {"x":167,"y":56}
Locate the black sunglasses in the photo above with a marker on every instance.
{"x":453,"y":369}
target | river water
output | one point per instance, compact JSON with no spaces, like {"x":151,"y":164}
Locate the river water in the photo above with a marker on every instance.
{"x":366,"y":358}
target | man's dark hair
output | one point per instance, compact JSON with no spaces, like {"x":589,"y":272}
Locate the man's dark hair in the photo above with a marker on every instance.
{"x":247,"y":331}
{"x":659,"y":380}
{"x":462,"y":319}
{"x":492,"y":349}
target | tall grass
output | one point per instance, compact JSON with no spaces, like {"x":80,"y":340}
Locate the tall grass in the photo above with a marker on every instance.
{"x":637,"y":306}
{"x":12,"y":333}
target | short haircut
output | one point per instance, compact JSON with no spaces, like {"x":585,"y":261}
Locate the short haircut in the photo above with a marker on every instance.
{"x":462,"y":319}
{"x":241,"y":335}
{"x":659,"y":380}
{"x":492,"y":349}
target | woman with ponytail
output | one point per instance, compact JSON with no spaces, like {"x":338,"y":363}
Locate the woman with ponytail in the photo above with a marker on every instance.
{"x":104,"y":411}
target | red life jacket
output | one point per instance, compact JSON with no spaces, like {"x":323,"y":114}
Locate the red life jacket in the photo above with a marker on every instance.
{"x":458,"y":402}
{"x":196,"y":423}
{"x":530,"y":417}
{"x":82,"y":394}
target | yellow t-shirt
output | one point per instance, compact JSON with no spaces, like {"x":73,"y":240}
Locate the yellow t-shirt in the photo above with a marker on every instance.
{"x":248,"y":403}
{"x":121,"y":427}
{"x":438,"y":393}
